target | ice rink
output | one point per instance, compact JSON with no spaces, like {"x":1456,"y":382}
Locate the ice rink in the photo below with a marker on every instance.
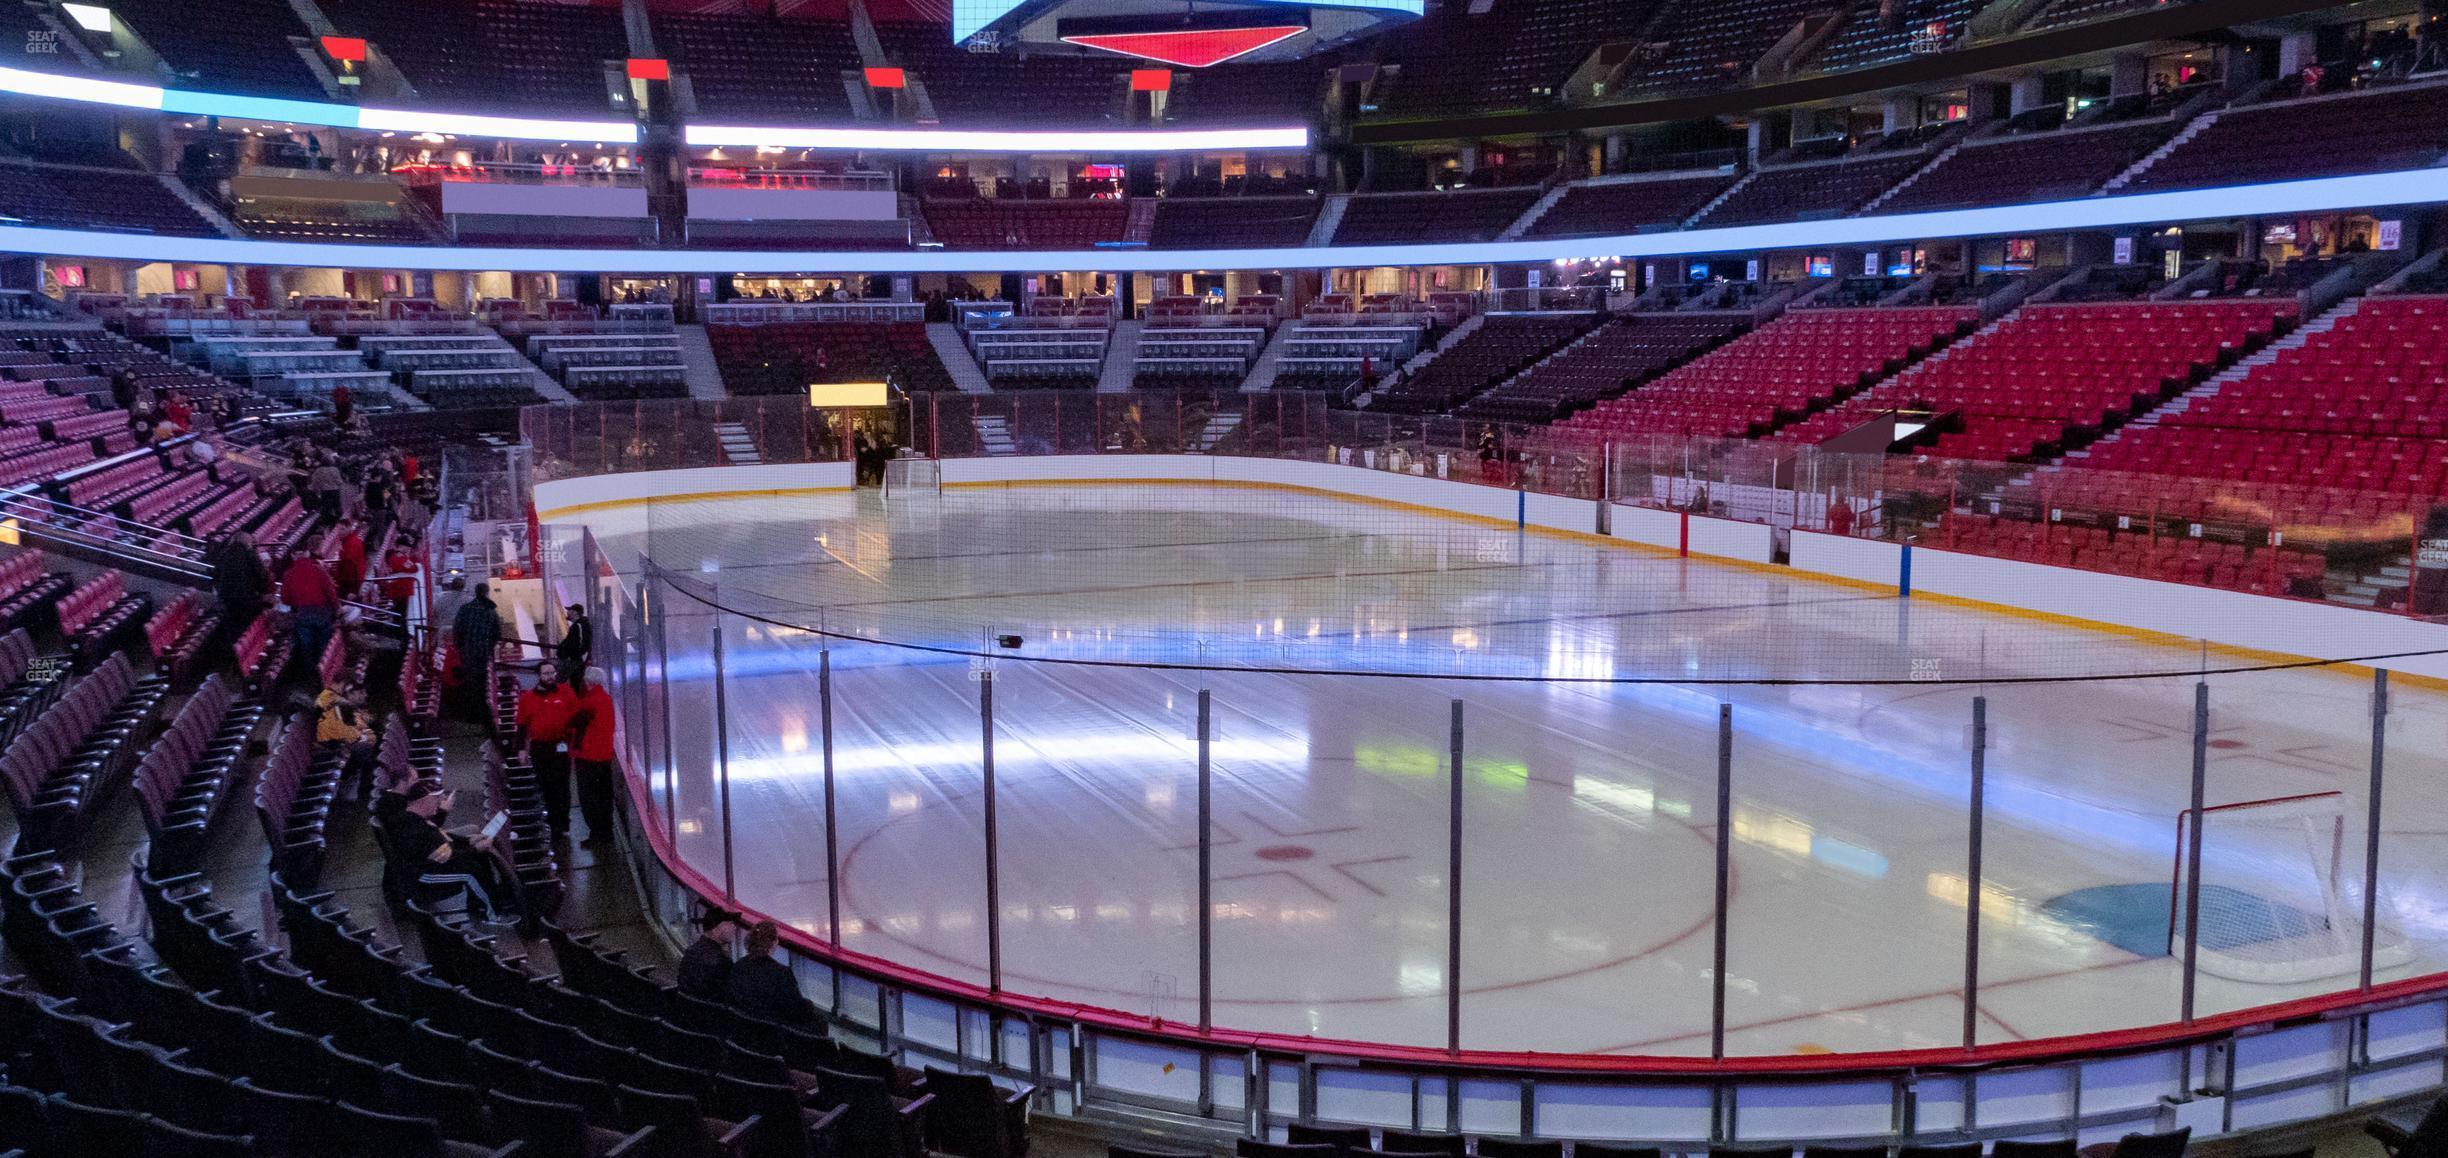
{"x":1334,"y":637}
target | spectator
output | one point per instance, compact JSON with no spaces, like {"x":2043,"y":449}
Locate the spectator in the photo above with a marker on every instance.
{"x":241,"y":580}
{"x":176,"y":409}
{"x":446,"y":862}
{"x":577,"y":640}
{"x":705,"y":966}
{"x":343,"y":404}
{"x":544,"y":719}
{"x":591,"y":752}
{"x":313,"y":604}
{"x":379,"y":490}
{"x":763,"y":987}
{"x":1840,"y":517}
{"x":399,"y":575}
{"x":349,"y":568}
{"x":475,"y":633}
{"x":323,"y":484}
{"x":340,"y":727}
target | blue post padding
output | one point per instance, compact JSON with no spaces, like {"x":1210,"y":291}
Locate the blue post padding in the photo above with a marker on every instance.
{"x":1521,"y":509}
{"x":1904,"y":572}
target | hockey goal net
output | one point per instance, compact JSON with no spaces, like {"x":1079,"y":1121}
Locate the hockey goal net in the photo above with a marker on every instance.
{"x":2281,"y":891}
{"x":912,"y":475}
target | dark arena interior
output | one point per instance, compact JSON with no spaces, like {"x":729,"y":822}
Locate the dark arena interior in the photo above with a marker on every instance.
{"x":1202,"y":578}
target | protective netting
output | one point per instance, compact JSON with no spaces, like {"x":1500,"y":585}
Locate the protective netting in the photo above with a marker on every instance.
{"x":1230,"y":577}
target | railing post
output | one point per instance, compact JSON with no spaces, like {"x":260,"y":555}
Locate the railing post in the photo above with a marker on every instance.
{"x":1725,"y":878}
{"x":1453,"y":893}
{"x":722,"y":757}
{"x":994,"y":887}
{"x":824,"y":704}
{"x":1973,"y":871}
{"x":2371,"y":831}
{"x":1206,"y":864}
{"x":2193,"y":847}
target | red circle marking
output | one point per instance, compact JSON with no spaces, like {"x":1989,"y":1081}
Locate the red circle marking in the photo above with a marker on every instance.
{"x":1284,"y":852}
{"x":2228,"y":744}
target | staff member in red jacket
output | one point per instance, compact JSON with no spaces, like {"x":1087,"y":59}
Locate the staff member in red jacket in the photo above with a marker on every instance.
{"x":544,"y":718}
{"x":313,"y":604}
{"x":591,"y":751}
{"x":349,"y":569}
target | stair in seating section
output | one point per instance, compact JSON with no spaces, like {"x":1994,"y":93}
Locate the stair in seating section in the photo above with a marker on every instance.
{"x":957,"y":359}
{"x":1943,"y":156}
{"x":1219,"y":426}
{"x":1530,"y":217}
{"x":1270,"y":361}
{"x":1142,"y":222}
{"x":736,"y":445}
{"x":1720,"y":199}
{"x":2243,"y":368}
{"x":704,"y":377}
{"x":1329,"y":219}
{"x":2187,"y":133}
{"x":994,"y":435}
{"x":1121,"y":359}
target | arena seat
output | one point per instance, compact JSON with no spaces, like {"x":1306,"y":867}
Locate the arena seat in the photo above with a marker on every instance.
{"x":1232,"y":222}
{"x":1000,"y":224}
{"x":247,"y":46}
{"x":783,"y":357}
{"x":1628,"y":206}
{"x":498,"y":53}
{"x":1503,"y":345}
{"x":1886,"y":33}
{"x":2389,"y":127}
{"x":767,"y":70}
{"x":1814,"y":189}
{"x":2051,"y":377}
{"x":92,"y":198}
{"x":1623,"y":352}
{"x":1466,"y":215}
{"x":2049,"y":166}
{"x":1797,"y":365}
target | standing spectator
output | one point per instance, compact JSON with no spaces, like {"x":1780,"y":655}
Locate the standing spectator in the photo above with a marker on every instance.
{"x":349,"y":568}
{"x":591,"y":752}
{"x":343,"y":404}
{"x":400,"y":575}
{"x":408,"y":469}
{"x":763,"y":987}
{"x":323,"y":484}
{"x":378,"y":495}
{"x":180,"y":414}
{"x":705,"y":966}
{"x":475,"y":633}
{"x":577,"y":640}
{"x":241,"y":580}
{"x":1840,"y":517}
{"x":544,"y":719}
{"x":313,"y":604}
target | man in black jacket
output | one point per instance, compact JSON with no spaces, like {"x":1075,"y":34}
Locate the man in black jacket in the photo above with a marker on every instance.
{"x":577,"y":640}
{"x":705,"y":967}
{"x":763,"y":987}
{"x":241,"y":580}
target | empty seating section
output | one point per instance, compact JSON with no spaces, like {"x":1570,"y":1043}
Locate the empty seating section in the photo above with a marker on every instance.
{"x":1260,"y":95}
{"x":2388,"y":128}
{"x":1621,"y":353}
{"x":360,"y":222}
{"x":185,"y":778}
{"x":614,"y":366}
{"x":1329,"y":355}
{"x":247,"y":46}
{"x":1628,"y":206}
{"x":1007,"y":89}
{"x":178,"y":634}
{"x":96,"y":199}
{"x":64,"y":765}
{"x":2170,"y":557}
{"x":2060,"y":165}
{"x":100,"y":616}
{"x":27,"y":591}
{"x":2066,"y":12}
{"x":1824,"y":189}
{"x":2051,"y":377}
{"x":2360,"y":407}
{"x":477,"y":54}
{"x":1706,"y":44}
{"x":1396,"y":218}
{"x":1886,"y":33}
{"x":769,"y":71}
{"x":785,"y":357}
{"x":999,"y":224}
{"x":1232,"y":222}
{"x":1503,"y":56}
{"x":1794,"y":366}
{"x":1502,"y":346}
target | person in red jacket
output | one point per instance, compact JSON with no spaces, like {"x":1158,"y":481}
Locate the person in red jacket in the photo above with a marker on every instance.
{"x":591,"y":752}
{"x":349,"y":569}
{"x":313,"y":604}
{"x":400,"y":576}
{"x":544,"y":719}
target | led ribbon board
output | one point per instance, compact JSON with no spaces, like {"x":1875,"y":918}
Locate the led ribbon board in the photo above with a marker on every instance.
{"x":847,"y":395}
{"x":188,"y":102}
{"x":2278,"y":198}
{"x":970,"y":17}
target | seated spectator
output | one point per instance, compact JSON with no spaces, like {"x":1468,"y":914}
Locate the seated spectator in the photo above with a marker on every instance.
{"x":705,"y":967}
{"x":341,"y":726}
{"x":447,"y":862}
{"x":763,"y":987}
